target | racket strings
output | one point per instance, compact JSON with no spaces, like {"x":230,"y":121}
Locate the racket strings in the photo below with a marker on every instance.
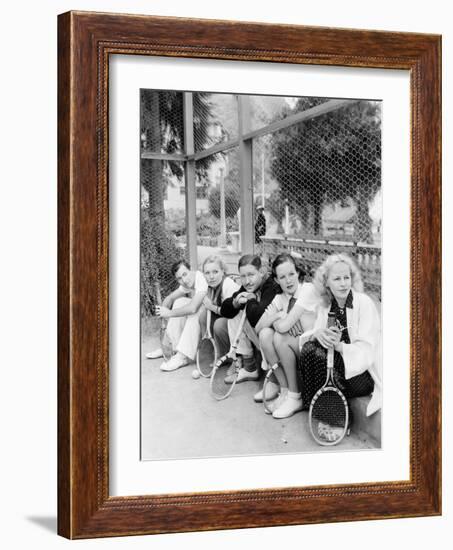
{"x":206,"y":357}
{"x":224,"y":368}
{"x":330,"y":408}
{"x":329,"y":417}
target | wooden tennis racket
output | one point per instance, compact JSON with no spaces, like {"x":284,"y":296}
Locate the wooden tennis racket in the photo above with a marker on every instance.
{"x":228,"y":364}
{"x":165,"y":344}
{"x":267,"y":380}
{"x":328,"y":415}
{"x":207,"y":350}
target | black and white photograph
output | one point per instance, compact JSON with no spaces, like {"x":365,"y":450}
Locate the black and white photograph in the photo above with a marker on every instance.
{"x":199,"y":201}
{"x":260,"y":274}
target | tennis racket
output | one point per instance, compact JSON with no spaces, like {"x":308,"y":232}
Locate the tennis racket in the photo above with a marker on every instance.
{"x":328,"y":415}
{"x":207,"y":350}
{"x":165,"y":344}
{"x":267,"y":380}
{"x":228,"y":364}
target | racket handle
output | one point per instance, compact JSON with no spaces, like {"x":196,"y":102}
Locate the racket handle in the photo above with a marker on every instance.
{"x":158,"y":293}
{"x":331,"y":319}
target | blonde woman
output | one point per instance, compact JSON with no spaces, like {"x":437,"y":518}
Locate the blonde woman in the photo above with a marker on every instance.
{"x":220,"y":287}
{"x":355,"y":339}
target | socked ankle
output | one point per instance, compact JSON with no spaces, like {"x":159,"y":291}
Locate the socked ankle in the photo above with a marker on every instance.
{"x":248,"y":363}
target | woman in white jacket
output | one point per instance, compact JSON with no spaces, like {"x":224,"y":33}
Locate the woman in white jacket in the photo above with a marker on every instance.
{"x":356,"y":338}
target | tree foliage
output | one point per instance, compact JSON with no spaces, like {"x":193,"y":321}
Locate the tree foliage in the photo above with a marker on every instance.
{"x":162,"y":131}
{"x":231,"y":201}
{"x":328,"y":159}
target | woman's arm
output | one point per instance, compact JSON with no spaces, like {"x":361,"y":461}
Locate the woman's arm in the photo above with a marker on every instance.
{"x":359,"y":355}
{"x":209,"y":304}
{"x":267,"y":320}
{"x":286,"y":323}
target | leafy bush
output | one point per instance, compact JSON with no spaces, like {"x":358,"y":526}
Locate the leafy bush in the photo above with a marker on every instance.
{"x":158,"y":252}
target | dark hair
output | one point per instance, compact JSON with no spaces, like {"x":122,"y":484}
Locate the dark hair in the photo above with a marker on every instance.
{"x":250,"y":259}
{"x":177,"y":265}
{"x":283,"y":258}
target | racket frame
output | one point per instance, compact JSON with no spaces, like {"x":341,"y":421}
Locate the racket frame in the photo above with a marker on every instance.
{"x":267,"y":378}
{"x":329,"y":385}
{"x":230,"y":356}
{"x":207,"y":336}
{"x":166,"y":347}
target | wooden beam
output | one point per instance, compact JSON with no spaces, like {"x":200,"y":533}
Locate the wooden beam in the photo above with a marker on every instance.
{"x":245,"y":176}
{"x":189,"y":172}
{"x":162,"y":156}
{"x":329,"y":106}
{"x":224,"y":146}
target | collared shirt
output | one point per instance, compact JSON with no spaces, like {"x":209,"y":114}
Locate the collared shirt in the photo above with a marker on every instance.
{"x":340,"y":315}
{"x":305,"y":295}
{"x":200,"y":285}
{"x":229,"y":287}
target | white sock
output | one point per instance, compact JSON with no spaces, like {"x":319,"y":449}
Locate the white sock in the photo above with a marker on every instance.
{"x":294,"y":395}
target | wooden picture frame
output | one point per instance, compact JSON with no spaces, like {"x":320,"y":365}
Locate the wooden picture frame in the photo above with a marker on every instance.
{"x":85,"y":41}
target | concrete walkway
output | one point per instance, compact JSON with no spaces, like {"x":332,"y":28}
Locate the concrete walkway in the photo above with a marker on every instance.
{"x":180,"y":419}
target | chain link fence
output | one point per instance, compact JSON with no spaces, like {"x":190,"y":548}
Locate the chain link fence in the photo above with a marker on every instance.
{"x":317,"y":178}
{"x":324,"y":187}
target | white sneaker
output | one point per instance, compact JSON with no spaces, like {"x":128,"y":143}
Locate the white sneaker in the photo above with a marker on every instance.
{"x":243,"y":376}
{"x":177,"y":361}
{"x":271,"y":393}
{"x":155,"y":354}
{"x":275,"y":404}
{"x":289,"y":407}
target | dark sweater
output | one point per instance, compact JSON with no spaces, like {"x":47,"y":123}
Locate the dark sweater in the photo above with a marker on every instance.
{"x":255,"y":309}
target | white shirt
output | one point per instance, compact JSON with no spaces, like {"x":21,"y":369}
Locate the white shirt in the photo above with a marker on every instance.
{"x":200,"y":285}
{"x":363,"y":353}
{"x":306,"y":297}
{"x":229,"y":287}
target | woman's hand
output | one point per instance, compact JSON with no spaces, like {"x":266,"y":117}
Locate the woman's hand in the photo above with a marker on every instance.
{"x":328,"y":337}
{"x":207,"y":302}
{"x":163,"y":312}
{"x":296,"y":329}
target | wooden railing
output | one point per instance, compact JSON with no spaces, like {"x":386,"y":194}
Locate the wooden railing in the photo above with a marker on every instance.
{"x":312,"y":252}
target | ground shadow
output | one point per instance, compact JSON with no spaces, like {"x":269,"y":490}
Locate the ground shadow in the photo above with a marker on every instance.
{"x":49,"y":523}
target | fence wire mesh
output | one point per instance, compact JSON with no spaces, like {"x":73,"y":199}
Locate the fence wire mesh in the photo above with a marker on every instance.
{"x":316,"y":183}
{"x":322,"y":187}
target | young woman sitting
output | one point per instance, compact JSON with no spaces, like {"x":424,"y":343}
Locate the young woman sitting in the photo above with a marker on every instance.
{"x":220,"y":288}
{"x":290,"y":314}
{"x":355,"y":339}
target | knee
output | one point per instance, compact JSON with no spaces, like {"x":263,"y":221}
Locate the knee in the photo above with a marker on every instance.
{"x":266,"y":335}
{"x":313,"y":350}
{"x":280,"y":339}
{"x":179,"y":302}
{"x":220,"y":326}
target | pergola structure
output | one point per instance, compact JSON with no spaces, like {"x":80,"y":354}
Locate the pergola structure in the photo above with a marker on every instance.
{"x":244,"y":142}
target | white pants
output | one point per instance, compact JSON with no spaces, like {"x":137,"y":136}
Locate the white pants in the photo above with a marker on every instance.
{"x":184,"y":332}
{"x":247,"y":338}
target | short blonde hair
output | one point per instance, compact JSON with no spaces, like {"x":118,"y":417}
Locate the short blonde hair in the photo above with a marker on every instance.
{"x":322,"y":273}
{"x":214,"y":259}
